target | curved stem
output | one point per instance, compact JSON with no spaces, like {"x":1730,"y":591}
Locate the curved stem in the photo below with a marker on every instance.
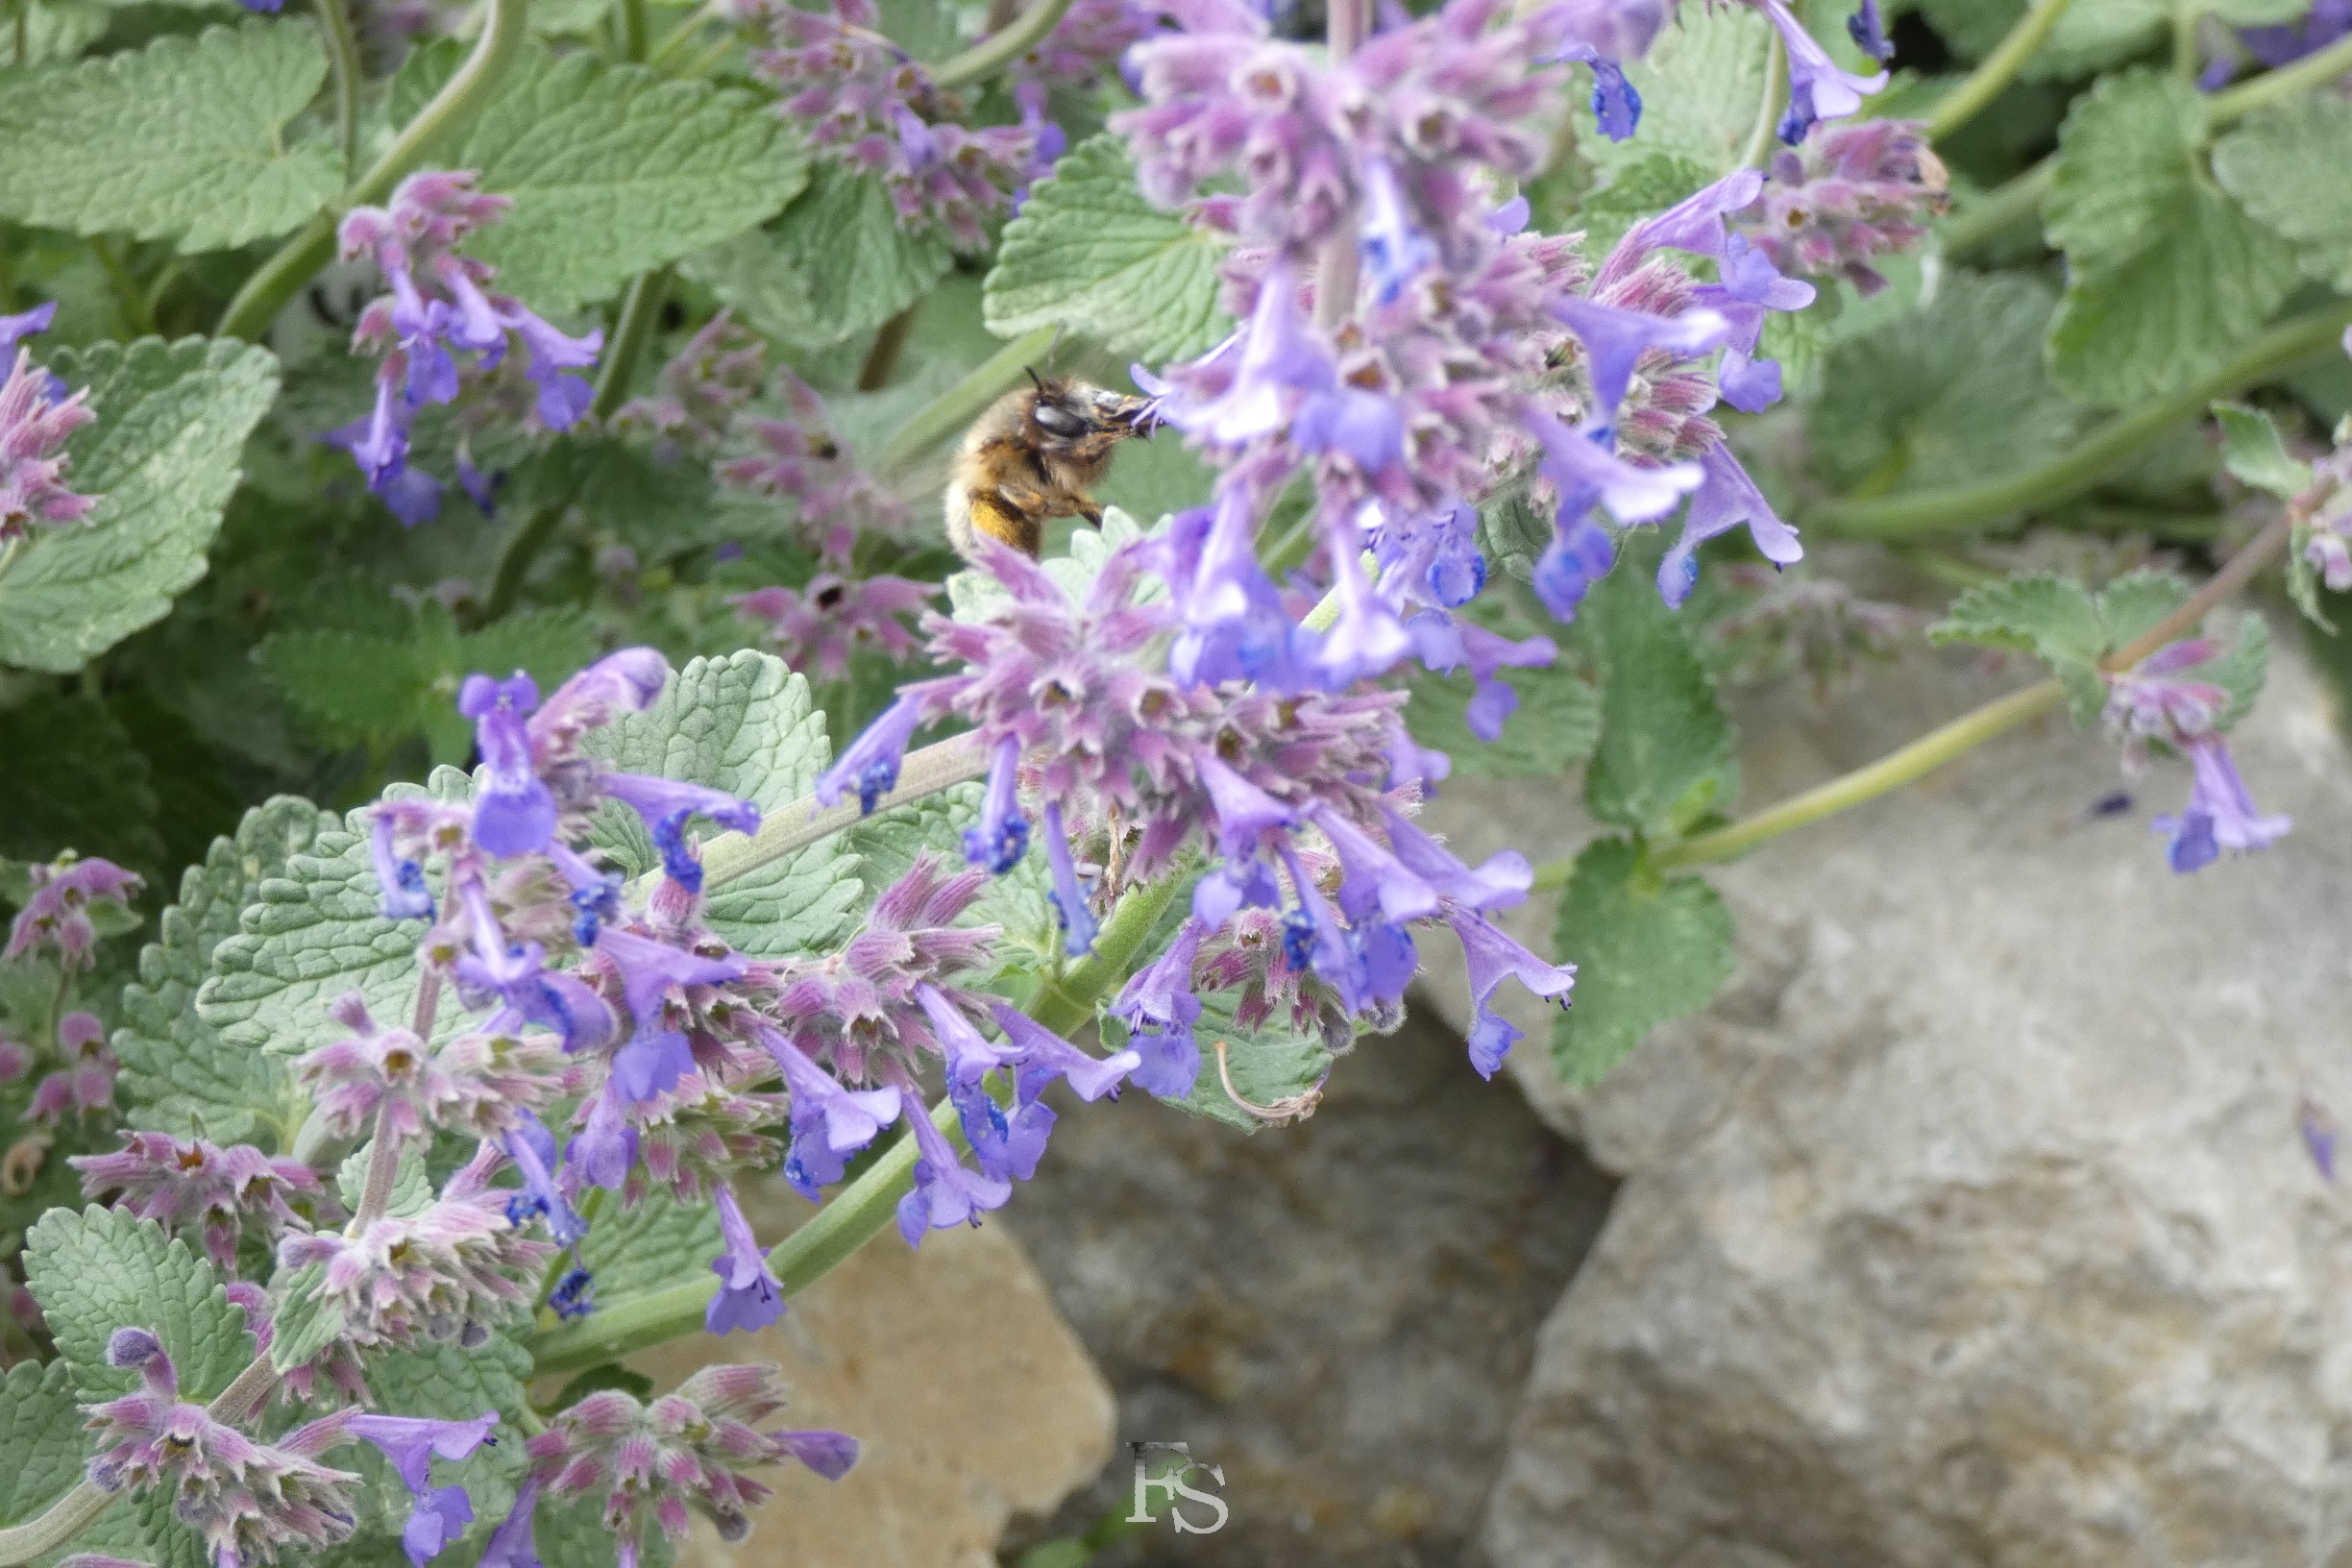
{"x":962,"y":402}
{"x":2313,"y":70}
{"x":1956,"y":508}
{"x":514,"y":561}
{"x":640,"y":314}
{"x":796,"y":826}
{"x":2235,"y":574}
{"x":988,"y":57}
{"x":343,"y":63}
{"x":257,"y":305}
{"x":1997,"y":70}
{"x":1770,"y":108}
{"x":2002,"y":209}
{"x":864,"y":1209}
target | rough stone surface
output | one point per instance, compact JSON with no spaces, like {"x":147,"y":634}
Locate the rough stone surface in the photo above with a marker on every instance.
{"x":971,"y":1398}
{"x":1339,"y":1312}
{"x":1974,"y":1226}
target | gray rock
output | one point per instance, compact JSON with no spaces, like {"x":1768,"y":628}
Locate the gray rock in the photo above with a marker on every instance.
{"x":1973,"y":1225}
{"x":1339,"y":1312}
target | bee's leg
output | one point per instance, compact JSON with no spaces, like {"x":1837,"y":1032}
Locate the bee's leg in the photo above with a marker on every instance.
{"x":1006,"y":519}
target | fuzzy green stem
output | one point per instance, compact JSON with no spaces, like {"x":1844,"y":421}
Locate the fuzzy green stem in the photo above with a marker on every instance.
{"x":1993,"y":214}
{"x":1998,"y":69}
{"x":639,"y":315}
{"x":962,"y":402}
{"x":864,"y":1209}
{"x":1769,"y":107}
{"x":2314,"y":70}
{"x":347,"y":73}
{"x":801,"y":823}
{"x":633,"y":29}
{"x":514,"y":561}
{"x":988,"y":57}
{"x":1960,"y":508}
{"x":257,"y":305}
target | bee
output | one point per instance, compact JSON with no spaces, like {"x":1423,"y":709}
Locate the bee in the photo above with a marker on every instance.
{"x":1032,"y":455}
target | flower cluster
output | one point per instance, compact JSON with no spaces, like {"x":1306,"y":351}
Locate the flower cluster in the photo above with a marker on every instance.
{"x":2322,"y":514}
{"x":243,"y":1499}
{"x":1121,"y":750}
{"x":2156,"y":703}
{"x":800,"y":460}
{"x":195,"y":1188}
{"x":698,"y":395}
{"x":1815,"y":625}
{"x":480,"y":1082}
{"x":864,"y":102}
{"x":437,"y":329}
{"x":61,"y":917}
{"x":816,"y":627}
{"x":1471,"y":351}
{"x":1091,"y":39}
{"x":36,"y":415}
{"x":686,"y":1451}
{"x":1851,"y":193}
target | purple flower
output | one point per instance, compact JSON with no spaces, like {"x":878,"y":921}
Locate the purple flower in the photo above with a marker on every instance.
{"x":1045,"y":1056}
{"x":996,"y":842}
{"x":829,"y":1122}
{"x":664,"y":805}
{"x":515,"y":812}
{"x":1491,"y":956}
{"x":57,"y":917}
{"x":1581,"y":555}
{"x":871,"y":764}
{"x":1853,"y":193}
{"x":749,"y":1295}
{"x":401,"y":880}
{"x":1580,"y":468}
{"x":532,"y":1147}
{"x":1818,"y":90}
{"x":36,"y":418}
{"x":510,"y":1545}
{"x":1393,"y":248}
{"x":2320,"y":1137}
{"x":1445,"y":642}
{"x":26,"y":324}
{"x":2221,"y":814}
{"x":1169,"y":1063}
{"x":819,"y":626}
{"x":1726,"y":499}
{"x":605,"y":1146}
{"x":969,"y":1056}
{"x":1070,"y":896}
{"x":656,"y":1054}
{"x":195,"y":1188}
{"x":946,"y":1192}
{"x":410,"y":1443}
{"x":1869,"y":31}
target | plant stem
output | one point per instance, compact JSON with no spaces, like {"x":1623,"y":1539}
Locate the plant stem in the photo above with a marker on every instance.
{"x":2313,"y":70}
{"x":633,"y":29}
{"x":2000,"y":210}
{"x":257,"y":305}
{"x":343,"y":63}
{"x":1346,"y":21}
{"x":962,"y":402}
{"x":864,"y":1209}
{"x":383,"y":1171}
{"x":889,"y":341}
{"x":710,"y":11}
{"x":801,"y":823}
{"x":128,"y":295}
{"x":1959,"y":507}
{"x":639,"y":315}
{"x":1930,"y":751}
{"x":514,"y":561}
{"x":1938,"y":747}
{"x":988,"y":57}
{"x":1768,"y":108}
{"x":1997,"y":70}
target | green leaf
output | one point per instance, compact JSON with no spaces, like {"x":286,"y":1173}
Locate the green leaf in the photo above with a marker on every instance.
{"x":1646,"y":184}
{"x":312,"y":934}
{"x":1089,"y":254}
{"x":2240,"y":668}
{"x":163,"y":458}
{"x":745,"y":725}
{"x":355,"y":687}
{"x":74,"y":780}
{"x":413,"y":1189}
{"x":180,"y":141}
{"x":614,"y":171}
{"x":177,"y":1072}
{"x":2286,"y":164}
{"x":1268,"y":1064}
{"x":303,"y":1321}
{"x":1647,"y":949}
{"x":100,"y":1270}
{"x":1952,"y":392}
{"x":2303,"y":583}
{"x":2089,"y":36}
{"x":837,"y":263}
{"x":1700,"y":86}
{"x":59,"y":30}
{"x":1556,"y":725}
{"x":1665,"y":759}
{"x":2252,"y":451}
{"x":651,"y":1247}
{"x":40,"y":1438}
{"x":2059,"y":622}
{"x":2165,"y":274}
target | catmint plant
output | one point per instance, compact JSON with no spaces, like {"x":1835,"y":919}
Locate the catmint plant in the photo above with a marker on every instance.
{"x":437,"y":951}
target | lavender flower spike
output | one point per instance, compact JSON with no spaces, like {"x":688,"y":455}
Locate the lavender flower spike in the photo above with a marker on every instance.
{"x":749,"y":1297}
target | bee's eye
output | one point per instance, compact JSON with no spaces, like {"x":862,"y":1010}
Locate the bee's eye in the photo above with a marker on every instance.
{"x":1055,"y":420}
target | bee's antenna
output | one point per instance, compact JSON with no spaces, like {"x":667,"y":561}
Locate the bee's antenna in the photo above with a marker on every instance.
{"x":1031,"y":372}
{"x":1053,"y":350}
